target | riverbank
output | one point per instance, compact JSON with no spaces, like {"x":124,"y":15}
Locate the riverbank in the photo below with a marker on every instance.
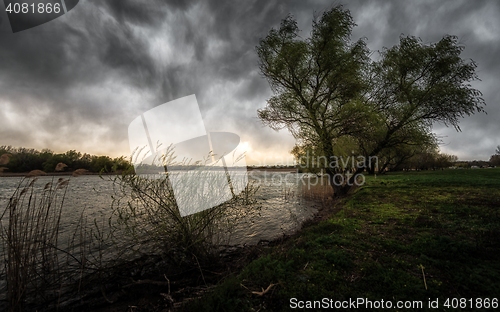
{"x":52,"y":174}
{"x":403,"y":238}
{"x":152,"y":283}
{"x":161,"y":283}
{"x":276,"y":209}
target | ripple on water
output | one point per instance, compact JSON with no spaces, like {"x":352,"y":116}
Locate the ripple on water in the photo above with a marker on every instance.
{"x":281,"y":211}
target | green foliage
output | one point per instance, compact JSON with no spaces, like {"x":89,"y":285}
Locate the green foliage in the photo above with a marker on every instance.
{"x":25,"y":160}
{"x":418,"y":158}
{"x":327,"y":92}
{"x":415,"y":85}
{"x":429,"y":80}
{"x":317,"y":82}
{"x":312,"y":78}
{"x":495,"y":159}
{"x":308,"y":158}
{"x":229,"y":296}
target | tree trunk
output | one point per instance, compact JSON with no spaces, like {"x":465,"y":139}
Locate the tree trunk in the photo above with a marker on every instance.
{"x":341,"y":182}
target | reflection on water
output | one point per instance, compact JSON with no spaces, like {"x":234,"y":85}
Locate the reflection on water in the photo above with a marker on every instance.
{"x":280,"y":208}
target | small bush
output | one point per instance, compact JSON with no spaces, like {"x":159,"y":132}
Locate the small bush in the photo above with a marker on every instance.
{"x":146,"y":209}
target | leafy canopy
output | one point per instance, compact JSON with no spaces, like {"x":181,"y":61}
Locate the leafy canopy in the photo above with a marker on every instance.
{"x":315,"y":80}
{"x":325,"y":87}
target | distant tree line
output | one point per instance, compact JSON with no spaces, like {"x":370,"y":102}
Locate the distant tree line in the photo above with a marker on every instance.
{"x":403,"y":158}
{"x":427,"y":159}
{"x":22,"y":159}
{"x":432,"y":159}
{"x":495,"y":159}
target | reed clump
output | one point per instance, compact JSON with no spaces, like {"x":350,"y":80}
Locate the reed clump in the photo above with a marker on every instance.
{"x":29,"y":236}
{"x":48,"y":263}
{"x":42,"y":267}
{"x":146,"y":209}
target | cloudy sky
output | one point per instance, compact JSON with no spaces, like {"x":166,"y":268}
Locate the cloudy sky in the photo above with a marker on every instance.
{"x":78,"y":81}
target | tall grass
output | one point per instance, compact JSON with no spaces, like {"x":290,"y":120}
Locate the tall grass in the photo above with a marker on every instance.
{"x":30,"y":238}
{"x":146,"y":210}
{"x":43,"y":268}
{"x":179,"y":222}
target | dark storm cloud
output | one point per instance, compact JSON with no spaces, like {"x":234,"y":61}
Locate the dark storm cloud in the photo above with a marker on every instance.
{"x":90,"y":72}
{"x":144,"y":13}
{"x":72,"y":68}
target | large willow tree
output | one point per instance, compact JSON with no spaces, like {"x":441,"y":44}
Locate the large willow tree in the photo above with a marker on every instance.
{"x":325,"y":88}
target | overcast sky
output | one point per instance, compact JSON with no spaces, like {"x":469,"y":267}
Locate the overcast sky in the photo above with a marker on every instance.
{"x":78,"y":81}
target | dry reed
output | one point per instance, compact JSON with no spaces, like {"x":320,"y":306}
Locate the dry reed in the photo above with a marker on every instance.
{"x":38,"y":270}
{"x":29,"y":236}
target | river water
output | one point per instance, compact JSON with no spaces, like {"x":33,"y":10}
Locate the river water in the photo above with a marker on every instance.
{"x":281,"y":208}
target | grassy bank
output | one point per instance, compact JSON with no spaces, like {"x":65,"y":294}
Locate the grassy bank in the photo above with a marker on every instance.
{"x":403,"y":236}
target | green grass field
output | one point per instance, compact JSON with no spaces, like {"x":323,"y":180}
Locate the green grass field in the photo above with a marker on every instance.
{"x":388,"y":235}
